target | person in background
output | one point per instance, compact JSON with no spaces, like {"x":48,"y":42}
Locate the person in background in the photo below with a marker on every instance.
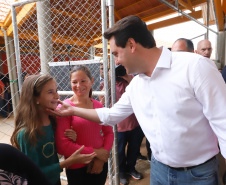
{"x":183,"y":44}
{"x":34,"y":127}
{"x":3,"y":112}
{"x":96,"y":138}
{"x":129,"y":132}
{"x":204,"y":48}
{"x":25,"y":75}
{"x":101,"y":76}
{"x":178,"y":99}
{"x":101,"y":72}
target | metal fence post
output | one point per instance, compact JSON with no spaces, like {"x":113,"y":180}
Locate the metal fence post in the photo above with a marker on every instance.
{"x":45,"y":34}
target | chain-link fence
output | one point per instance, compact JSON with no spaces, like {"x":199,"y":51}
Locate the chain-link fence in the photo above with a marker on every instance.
{"x":51,"y":37}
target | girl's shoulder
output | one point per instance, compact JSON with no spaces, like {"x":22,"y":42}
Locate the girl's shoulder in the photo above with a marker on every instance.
{"x":21,"y":135}
{"x":22,"y":131}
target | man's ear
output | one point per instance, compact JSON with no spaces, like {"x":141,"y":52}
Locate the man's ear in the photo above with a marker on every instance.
{"x":132,"y":44}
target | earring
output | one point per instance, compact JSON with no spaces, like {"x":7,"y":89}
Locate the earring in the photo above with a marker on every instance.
{"x":37,"y":103}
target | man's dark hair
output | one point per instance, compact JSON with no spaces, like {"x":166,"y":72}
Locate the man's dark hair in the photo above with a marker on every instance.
{"x":130,"y":27}
{"x":189,"y":44}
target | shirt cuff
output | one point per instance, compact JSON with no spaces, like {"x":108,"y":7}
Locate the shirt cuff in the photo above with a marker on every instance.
{"x":103,"y":115}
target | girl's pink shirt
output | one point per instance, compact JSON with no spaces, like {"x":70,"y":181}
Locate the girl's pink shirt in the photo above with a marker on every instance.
{"x":90,"y":134}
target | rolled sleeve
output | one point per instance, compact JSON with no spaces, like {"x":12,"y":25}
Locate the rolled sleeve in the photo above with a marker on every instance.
{"x":121,"y":110}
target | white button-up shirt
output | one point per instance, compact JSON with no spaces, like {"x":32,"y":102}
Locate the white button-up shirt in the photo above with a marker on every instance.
{"x":181,"y":108}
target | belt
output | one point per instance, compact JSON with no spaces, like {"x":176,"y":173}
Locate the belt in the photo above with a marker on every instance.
{"x":190,"y":167}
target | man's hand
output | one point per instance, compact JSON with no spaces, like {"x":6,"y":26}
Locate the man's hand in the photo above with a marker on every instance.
{"x":65,"y":110}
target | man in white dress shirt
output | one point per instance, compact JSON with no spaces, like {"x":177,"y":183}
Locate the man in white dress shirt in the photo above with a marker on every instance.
{"x":179,"y":101}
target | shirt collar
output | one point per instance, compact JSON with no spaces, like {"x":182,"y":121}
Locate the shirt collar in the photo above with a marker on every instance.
{"x":163,"y":62}
{"x":165,"y":58}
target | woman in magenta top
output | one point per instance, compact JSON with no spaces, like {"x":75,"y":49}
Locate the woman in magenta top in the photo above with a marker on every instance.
{"x":96,"y":138}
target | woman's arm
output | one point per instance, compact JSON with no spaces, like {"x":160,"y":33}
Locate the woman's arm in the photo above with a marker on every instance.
{"x":65,"y":146}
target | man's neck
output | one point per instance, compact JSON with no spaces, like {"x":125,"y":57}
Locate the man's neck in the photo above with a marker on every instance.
{"x":151,"y":59}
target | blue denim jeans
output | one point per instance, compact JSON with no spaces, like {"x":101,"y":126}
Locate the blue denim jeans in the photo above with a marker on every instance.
{"x":204,"y":174}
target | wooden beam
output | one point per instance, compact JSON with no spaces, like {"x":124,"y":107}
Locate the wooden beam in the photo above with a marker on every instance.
{"x":22,"y":16}
{"x":55,"y":39}
{"x":219,"y":14}
{"x":8,"y":19}
{"x":2,"y":42}
{"x":189,"y":2}
{"x":117,"y":15}
{"x":175,"y":20}
{"x":84,"y":18}
{"x":168,"y":12}
{"x":101,"y":46}
{"x":1,"y":33}
{"x":130,"y":4}
{"x":224,"y":6}
{"x":96,"y":39}
{"x":158,"y":15}
{"x":186,"y":5}
{"x":70,"y":41}
{"x":56,"y":52}
{"x":150,"y":9}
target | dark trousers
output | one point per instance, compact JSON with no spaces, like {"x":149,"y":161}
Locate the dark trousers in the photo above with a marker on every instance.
{"x":3,"y":110}
{"x":148,"y":148}
{"x":81,"y":177}
{"x":133,"y":138}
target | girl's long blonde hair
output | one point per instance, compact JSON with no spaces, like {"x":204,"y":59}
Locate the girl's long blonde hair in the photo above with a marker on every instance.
{"x":27,"y":116}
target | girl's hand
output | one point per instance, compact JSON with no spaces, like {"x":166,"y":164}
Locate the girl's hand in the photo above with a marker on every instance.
{"x":65,"y":110}
{"x":76,"y":157}
{"x":71,"y":134}
{"x":97,"y":166}
{"x":102,"y":154}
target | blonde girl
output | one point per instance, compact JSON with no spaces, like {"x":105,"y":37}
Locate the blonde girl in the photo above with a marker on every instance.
{"x":34,"y":127}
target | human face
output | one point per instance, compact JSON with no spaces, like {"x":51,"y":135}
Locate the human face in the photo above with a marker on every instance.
{"x":179,"y":45}
{"x":81,"y":84}
{"x":204,"y":48}
{"x":48,"y":97}
{"x":123,"y":56}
